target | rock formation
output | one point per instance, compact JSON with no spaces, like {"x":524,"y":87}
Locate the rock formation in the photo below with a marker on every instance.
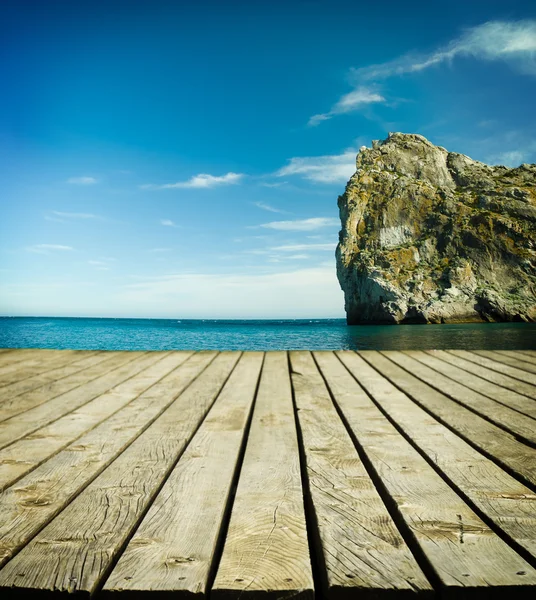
{"x":430,"y":236}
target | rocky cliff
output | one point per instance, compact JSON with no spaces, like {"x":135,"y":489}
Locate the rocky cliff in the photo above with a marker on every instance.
{"x":430,"y":236}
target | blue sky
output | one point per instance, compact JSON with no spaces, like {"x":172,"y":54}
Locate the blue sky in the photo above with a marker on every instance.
{"x":183,"y":159}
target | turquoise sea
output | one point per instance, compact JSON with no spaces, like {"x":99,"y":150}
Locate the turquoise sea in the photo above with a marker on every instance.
{"x":307,"y":334}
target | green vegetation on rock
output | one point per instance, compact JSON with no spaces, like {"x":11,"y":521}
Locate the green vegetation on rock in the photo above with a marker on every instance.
{"x":430,"y":236}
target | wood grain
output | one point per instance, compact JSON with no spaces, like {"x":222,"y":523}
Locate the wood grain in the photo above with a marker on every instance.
{"x":19,"y":403}
{"x":509,"y":398}
{"x":456,"y":416}
{"x":502,"y":364}
{"x":174,"y":546}
{"x":510,"y":358}
{"x":266,"y":550}
{"x":38,"y":497}
{"x":74,"y":552}
{"x":124,"y":366}
{"x":506,"y":502}
{"x":9,"y":392}
{"x":486,"y":373}
{"x":27,"y":453}
{"x":360,"y":545}
{"x":37,"y":361}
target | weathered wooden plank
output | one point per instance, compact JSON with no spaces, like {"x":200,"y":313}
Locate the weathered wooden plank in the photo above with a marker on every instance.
{"x":39,"y":361}
{"x":39,"y":496}
{"x":266,"y":550}
{"x":3,"y":350}
{"x":505,"y":501}
{"x":15,"y":355}
{"x":515,"y":359}
{"x":514,"y":367}
{"x":9,"y":392}
{"x":485,"y":436}
{"x":74,"y":552}
{"x":27,"y":453}
{"x":486,"y":373}
{"x":502,"y":416}
{"x":358,"y":542}
{"x":530,"y":353}
{"x":507,"y":397}
{"x":124,"y":366}
{"x":23,"y":402}
{"x":484,"y":359}
{"x":173,"y":548}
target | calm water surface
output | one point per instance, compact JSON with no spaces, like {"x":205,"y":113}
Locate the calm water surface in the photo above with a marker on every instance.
{"x":328,"y":334}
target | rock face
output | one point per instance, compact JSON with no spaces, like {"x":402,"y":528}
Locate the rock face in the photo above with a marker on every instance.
{"x":430,"y":236}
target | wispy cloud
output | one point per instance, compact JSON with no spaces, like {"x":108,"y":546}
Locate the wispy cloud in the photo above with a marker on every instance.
{"x":350,"y":102}
{"x":47,"y":248}
{"x":100,"y":265}
{"x":82,"y":180}
{"x":74,"y":215}
{"x":336,"y":168}
{"x":167,"y":223}
{"x":302,"y":224}
{"x":511,"y":158}
{"x":269,"y":207}
{"x":203,"y":180}
{"x":513,"y":42}
{"x":304,"y":247}
{"x":159,"y":250}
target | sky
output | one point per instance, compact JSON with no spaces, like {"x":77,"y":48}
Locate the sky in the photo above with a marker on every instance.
{"x":183,"y":159}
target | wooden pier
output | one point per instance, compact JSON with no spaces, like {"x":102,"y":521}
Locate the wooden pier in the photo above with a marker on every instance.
{"x":268,"y":475}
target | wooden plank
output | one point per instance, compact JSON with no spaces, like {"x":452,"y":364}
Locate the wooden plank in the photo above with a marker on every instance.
{"x":487,"y":374}
{"x":361,"y":549}
{"x":485,"y":436}
{"x":39,"y":361}
{"x":9,"y":392}
{"x":502,"y":416}
{"x":38,"y":497}
{"x":484,"y":359}
{"x":27,"y":453}
{"x":266,"y":550}
{"x":516,"y":359}
{"x":174,"y":546}
{"x":514,"y":365}
{"x":529,"y":353}
{"x":75,"y":551}
{"x":501,"y":395}
{"x":124,"y":366}
{"x":21,"y":403}
{"x":505,"y":501}
{"x":15,"y":355}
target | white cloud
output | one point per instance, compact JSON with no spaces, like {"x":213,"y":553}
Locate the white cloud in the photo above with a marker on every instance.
{"x":46,"y":248}
{"x":350,"y":102}
{"x":513,"y":42}
{"x":167,"y":223}
{"x":513,"y":158}
{"x":70,"y":215}
{"x":302,"y":224}
{"x":203,"y":180}
{"x":337,"y":168}
{"x":306,"y":247}
{"x":82,"y":180}
{"x":269,"y":207}
{"x":158,"y":250}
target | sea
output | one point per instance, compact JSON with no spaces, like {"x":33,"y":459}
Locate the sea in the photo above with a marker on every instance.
{"x":287,"y":334}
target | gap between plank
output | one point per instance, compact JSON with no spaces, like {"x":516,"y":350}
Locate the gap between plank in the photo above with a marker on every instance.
{"x":390,"y":504}
{"x":115,"y":559}
{"x":106,"y":465}
{"x":498,"y":531}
